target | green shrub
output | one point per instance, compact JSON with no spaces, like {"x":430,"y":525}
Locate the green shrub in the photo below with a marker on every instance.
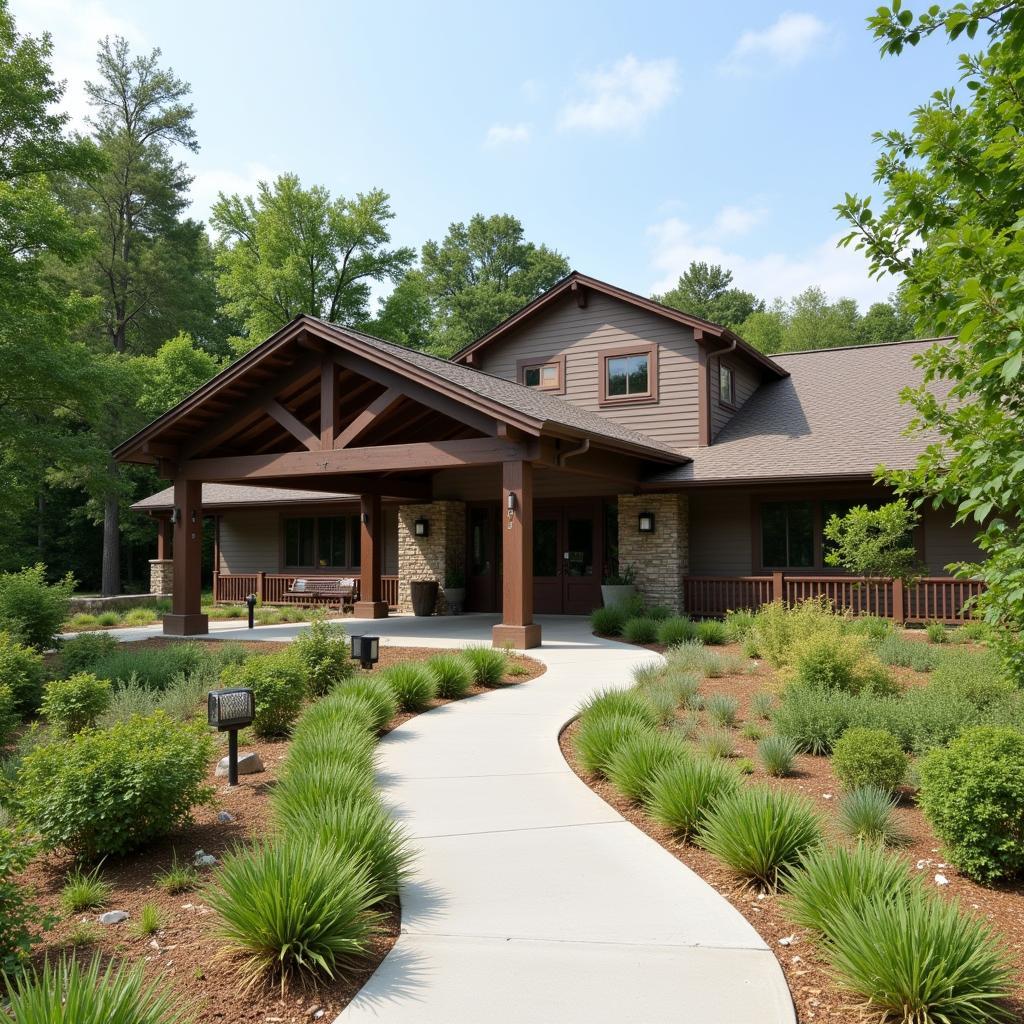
{"x":278,"y":682}
{"x":712,"y":633}
{"x":323,"y":649}
{"x":378,"y":694}
{"x":875,"y":628}
{"x":753,"y":731}
{"x":762,"y":704}
{"x":976,"y":632}
{"x":73,"y":704}
{"x":640,"y":630}
{"x":722,"y":709}
{"x":869,"y":757}
{"x":84,"y":890}
{"x":452,"y":674}
{"x":761,"y":833}
{"x":869,"y":814}
{"x":684,"y":686}
{"x":972,"y":793}
{"x":67,"y":992}
{"x":832,"y":880}
{"x":936,"y":632}
{"x":676,"y":630}
{"x":19,"y":917}
{"x":607,"y":621}
{"x":113,"y":790}
{"x":156,"y":667}
{"x":777,"y":628}
{"x":294,"y":909}
{"x":618,"y":704}
{"x":837,"y":661}
{"x":185,"y":697}
{"x":81,"y":652}
{"x":107,"y":619}
{"x":683,"y":792}
{"x":663,"y":702}
{"x":738,"y":624}
{"x":903,"y":653}
{"x":598,"y":738}
{"x":413,"y":684}
{"x":21,"y":672}
{"x":488,"y":665}
{"x":696,"y":658}
{"x":32,"y":610}
{"x":932,"y":717}
{"x":659,"y":613}
{"x":777,"y":755}
{"x":813,"y":719}
{"x":920,"y":960}
{"x":638,"y":759}
{"x":716,"y":743}
{"x":975,"y":677}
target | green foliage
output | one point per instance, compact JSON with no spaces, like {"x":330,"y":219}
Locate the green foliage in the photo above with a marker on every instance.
{"x":676,"y":630}
{"x":178,"y":878}
{"x":662,"y":700}
{"x":722,"y":709}
{"x":113,"y":790}
{"x":75,"y":703}
{"x":705,"y":290}
{"x":778,"y":627}
{"x":150,"y":920}
{"x":640,"y":630}
{"x":813,"y":719}
{"x":323,"y":649}
{"x":920,"y":959}
{"x":869,"y":757}
{"x":873,"y":627}
{"x":777,"y":755}
{"x":84,"y":890}
{"x":19,"y":916}
{"x":904,"y":653}
{"x":762,"y":704}
{"x":753,"y":731}
{"x":838,"y":661}
{"x":618,"y":704}
{"x":874,"y":542}
{"x":712,"y":632}
{"x":155,"y":667}
{"x":683,"y":792}
{"x":716,"y":743}
{"x":683,"y":685}
{"x":489,"y":665}
{"x":607,"y":621}
{"x":21,"y":675}
{"x":69,"y":993}
{"x":976,"y":677}
{"x":31,"y":609}
{"x":413,"y":684}
{"x":936,"y":632}
{"x":278,"y":682}
{"x":696,"y":658}
{"x":379,"y":696}
{"x":453,"y":675}
{"x":599,"y":737}
{"x":761,"y":833}
{"x":868,"y":813}
{"x":738,"y":624}
{"x":639,"y":759}
{"x":81,"y":652}
{"x":972,"y":793}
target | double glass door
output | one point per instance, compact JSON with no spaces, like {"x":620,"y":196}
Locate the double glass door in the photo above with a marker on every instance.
{"x":567,"y":558}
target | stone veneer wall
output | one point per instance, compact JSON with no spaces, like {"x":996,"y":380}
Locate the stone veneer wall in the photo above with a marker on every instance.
{"x":430,"y":557}
{"x":161,"y":576}
{"x":661,"y":559}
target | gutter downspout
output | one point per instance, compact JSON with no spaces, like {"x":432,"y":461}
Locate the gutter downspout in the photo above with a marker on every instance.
{"x":581,"y":449}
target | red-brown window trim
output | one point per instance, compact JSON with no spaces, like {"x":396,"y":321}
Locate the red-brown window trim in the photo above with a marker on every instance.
{"x":641,"y":349}
{"x":524,"y":364}
{"x":723,"y":365}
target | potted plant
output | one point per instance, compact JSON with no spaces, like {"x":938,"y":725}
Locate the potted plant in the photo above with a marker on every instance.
{"x":455,"y":590}
{"x":618,"y":585}
{"x":423,"y":594}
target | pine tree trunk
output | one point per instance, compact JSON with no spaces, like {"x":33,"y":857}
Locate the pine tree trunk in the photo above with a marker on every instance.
{"x":111,"y":583}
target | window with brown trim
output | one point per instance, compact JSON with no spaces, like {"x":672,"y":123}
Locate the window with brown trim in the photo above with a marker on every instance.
{"x":321,"y":542}
{"x":629,"y":374}
{"x":545,"y":376}
{"x":726,"y":385}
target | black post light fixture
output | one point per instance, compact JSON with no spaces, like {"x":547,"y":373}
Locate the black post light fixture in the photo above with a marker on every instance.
{"x":366,"y":650}
{"x":645,"y":522}
{"x":228,"y":711}
{"x":421,"y":528}
{"x":250,"y":602}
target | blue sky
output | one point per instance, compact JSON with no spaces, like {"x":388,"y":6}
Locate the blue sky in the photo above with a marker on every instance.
{"x":633,"y":137}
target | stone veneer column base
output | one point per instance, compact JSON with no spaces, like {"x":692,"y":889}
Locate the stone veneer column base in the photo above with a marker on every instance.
{"x":161,"y":575}
{"x":434,"y":557}
{"x":521,"y":638}
{"x":370,"y":610}
{"x":193,"y":624}
{"x":662,"y":558}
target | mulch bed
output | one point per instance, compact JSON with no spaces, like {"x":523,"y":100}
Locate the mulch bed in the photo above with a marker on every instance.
{"x":815,"y":993}
{"x":186,"y":951}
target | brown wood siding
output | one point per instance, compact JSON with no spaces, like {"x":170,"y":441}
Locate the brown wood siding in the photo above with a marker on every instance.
{"x":580,"y":335}
{"x":745,"y":382}
{"x":945,"y":543}
{"x":249,"y":540}
{"x":720,"y":533}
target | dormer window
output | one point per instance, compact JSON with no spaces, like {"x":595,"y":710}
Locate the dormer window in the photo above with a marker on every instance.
{"x":726,"y":385}
{"x":546,"y":375}
{"x":629,"y":375}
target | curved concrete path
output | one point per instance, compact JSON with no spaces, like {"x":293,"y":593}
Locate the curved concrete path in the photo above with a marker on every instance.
{"x":532,"y":901}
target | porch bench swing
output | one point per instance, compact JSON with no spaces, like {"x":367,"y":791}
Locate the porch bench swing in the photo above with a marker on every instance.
{"x":320,"y":590}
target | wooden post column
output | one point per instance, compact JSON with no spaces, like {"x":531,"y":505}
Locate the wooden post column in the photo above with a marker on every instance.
{"x":517,"y":628}
{"x":185,"y":617}
{"x":163,"y":537}
{"x":371,"y":543}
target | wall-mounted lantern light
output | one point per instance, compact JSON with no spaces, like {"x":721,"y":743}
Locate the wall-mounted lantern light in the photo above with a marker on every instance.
{"x":175,"y":516}
{"x":228,"y":711}
{"x":364,"y":518}
{"x":421,"y":527}
{"x":366,"y":650}
{"x":195,"y":517}
{"x":645,"y":522}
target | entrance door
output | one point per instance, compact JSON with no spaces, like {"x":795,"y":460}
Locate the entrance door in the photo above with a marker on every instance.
{"x":567,"y":558}
{"x":483,"y":558}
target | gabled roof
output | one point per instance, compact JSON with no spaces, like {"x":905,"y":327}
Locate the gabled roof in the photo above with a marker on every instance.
{"x":576,"y":281}
{"x":837,"y":414}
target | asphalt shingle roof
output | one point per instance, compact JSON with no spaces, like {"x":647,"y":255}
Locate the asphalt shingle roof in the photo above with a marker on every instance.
{"x":216,"y":495}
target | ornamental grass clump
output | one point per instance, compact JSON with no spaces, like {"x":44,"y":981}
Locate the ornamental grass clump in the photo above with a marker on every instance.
{"x":869,"y":757}
{"x":617,"y":704}
{"x":607,"y":621}
{"x":84,"y":890}
{"x":762,"y":704}
{"x":685,"y":686}
{"x":716,"y":743}
{"x":738,"y":624}
{"x":868,"y":813}
{"x":813,"y":719}
{"x":597,"y":739}
{"x":712,"y":633}
{"x":638,"y":759}
{"x":676,"y":630}
{"x":489,"y":665}
{"x":722,"y":709}
{"x":777,"y":755}
{"x":453,"y":675}
{"x":662,"y":701}
{"x":641,"y":629}
{"x":683,"y":792}
{"x":378,"y":695}
{"x":294,"y":909}
{"x":414,"y":685}
{"x":761,"y":833}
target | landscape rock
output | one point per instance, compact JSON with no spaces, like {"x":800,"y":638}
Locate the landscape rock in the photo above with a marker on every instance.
{"x":202,"y":859}
{"x":248,"y":764}
{"x":224,"y":817}
{"x":113,"y":917}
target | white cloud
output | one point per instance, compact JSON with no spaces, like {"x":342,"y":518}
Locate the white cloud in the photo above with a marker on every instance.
{"x":208,"y":183}
{"x":77,"y":26}
{"x":784,"y":44}
{"x":622,"y":96}
{"x":506,"y":134}
{"x":737,"y":220}
{"x":839,"y":272}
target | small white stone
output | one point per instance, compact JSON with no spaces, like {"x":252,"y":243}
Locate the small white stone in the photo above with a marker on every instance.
{"x":154,"y":944}
{"x":202,"y":859}
{"x":941,"y":880}
{"x":224,"y":817}
{"x":248,"y":764}
{"x":113,"y":917}
{"x":826,"y":796}
{"x":788,"y":940}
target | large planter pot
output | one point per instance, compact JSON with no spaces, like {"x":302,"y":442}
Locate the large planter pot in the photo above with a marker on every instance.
{"x":455,"y":598}
{"x":423,"y":594}
{"x":611,"y":596}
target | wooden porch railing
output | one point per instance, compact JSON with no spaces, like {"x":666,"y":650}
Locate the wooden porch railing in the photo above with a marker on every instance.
{"x":929,"y":599}
{"x":272,"y":588}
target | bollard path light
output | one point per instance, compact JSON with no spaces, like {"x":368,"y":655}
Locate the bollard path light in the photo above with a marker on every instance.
{"x":251,"y":603}
{"x":366,"y":650}
{"x":228,"y":711}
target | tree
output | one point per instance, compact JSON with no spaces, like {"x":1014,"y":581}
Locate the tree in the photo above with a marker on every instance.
{"x":481,"y":273}
{"x":875,"y":542}
{"x":291,"y":250}
{"x":950,"y":224}
{"x":705,"y":290}
{"x":178,"y":368}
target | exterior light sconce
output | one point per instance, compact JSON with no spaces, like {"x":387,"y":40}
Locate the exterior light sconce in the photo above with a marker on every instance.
{"x":175,"y":516}
{"x":364,"y":518}
{"x":510,"y":505}
{"x":645,"y":522}
{"x":195,"y":517}
{"x":366,"y":650}
{"x":421,"y":528}
{"x":228,"y":711}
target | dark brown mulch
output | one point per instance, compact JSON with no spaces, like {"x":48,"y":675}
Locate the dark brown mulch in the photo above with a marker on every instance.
{"x":815,"y":993}
{"x":186,"y":951}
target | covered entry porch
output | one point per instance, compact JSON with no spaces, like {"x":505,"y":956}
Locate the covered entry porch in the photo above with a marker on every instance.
{"x":319,"y":408}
